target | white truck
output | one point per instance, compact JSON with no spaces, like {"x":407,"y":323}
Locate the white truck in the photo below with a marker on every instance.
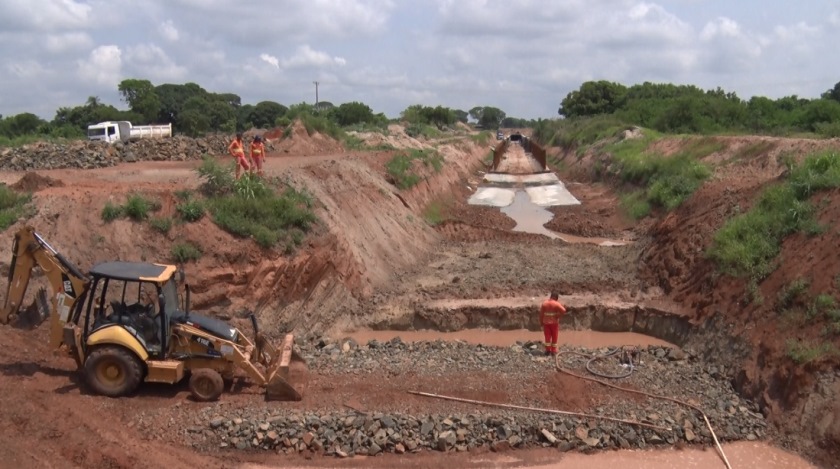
{"x":123,"y":131}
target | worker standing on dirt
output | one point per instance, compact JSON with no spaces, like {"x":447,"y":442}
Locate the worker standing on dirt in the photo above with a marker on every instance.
{"x":551,"y":311}
{"x":237,"y":150}
{"x":258,"y":154}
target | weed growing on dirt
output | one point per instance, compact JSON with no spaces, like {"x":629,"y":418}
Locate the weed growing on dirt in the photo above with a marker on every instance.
{"x":803,"y":352}
{"x":12,"y":206}
{"x":793,"y":292}
{"x":352,"y":142}
{"x":753,"y":150}
{"x":482,"y":137}
{"x":435,"y":213}
{"x":666,"y":181}
{"x":252,"y":207}
{"x":184,"y":194}
{"x":137,"y":207}
{"x":190,"y":210}
{"x":635,"y":205}
{"x":217,"y":179}
{"x":399,"y":167}
{"x":422,"y":130}
{"x":578,"y":132}
{"x":185,"y":252}
{"x":747,"y":243}
{"x":322,"y":125}
{"x":111,"y":212}
{"x":162,"y":224}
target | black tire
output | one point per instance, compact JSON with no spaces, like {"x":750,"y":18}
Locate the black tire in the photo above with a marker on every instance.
{"x":113,"y":371}
{"x":206,"y":385}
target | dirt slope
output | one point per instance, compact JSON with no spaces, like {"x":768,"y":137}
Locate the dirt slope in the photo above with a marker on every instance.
{"x":798,"y":398}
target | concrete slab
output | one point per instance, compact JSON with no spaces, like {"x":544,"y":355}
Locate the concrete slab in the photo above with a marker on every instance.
{"x":551,"y":195}
{"x":541,"y":178}
{"x":492,"y":196}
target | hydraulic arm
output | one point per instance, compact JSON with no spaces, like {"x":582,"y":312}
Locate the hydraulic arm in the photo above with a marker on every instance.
{"x":68,"y":283}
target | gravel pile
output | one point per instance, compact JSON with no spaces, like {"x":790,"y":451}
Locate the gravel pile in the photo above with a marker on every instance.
{"x":343,"y":433}
{"x":85,"y":154}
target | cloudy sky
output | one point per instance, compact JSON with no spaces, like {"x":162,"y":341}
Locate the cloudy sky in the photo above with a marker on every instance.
{"x":522,"y":56}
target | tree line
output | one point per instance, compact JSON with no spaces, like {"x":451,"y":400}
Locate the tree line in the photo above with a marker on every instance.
{"x":194,"y":111}
{"x":688,"y":109}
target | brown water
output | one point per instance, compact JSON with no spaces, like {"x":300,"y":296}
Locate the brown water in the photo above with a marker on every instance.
{"x":492,"y":337}
{"x":531,"y":218}
{"x":741,"y":455}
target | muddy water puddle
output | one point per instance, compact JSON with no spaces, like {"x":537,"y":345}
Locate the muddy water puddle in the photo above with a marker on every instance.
{"x":531,"y":218}
{"x":741,"y":455}
{"x":492,"y":337}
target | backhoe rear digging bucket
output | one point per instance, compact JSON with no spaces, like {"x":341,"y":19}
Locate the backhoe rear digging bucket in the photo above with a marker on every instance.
{"x":288,"y":376}
{"x":35,"y":313}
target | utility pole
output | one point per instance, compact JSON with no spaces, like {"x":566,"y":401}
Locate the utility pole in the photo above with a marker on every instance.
{"x":316,"y":92}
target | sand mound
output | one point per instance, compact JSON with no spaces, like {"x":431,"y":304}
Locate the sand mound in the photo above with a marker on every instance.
{"x":34,"y":182}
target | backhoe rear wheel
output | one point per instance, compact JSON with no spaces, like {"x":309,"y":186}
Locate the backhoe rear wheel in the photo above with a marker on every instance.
{"x":113,"y":371}
{"x":206,"y":385}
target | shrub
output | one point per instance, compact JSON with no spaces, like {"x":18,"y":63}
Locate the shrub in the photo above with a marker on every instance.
{"x":635,"y":205}
{"x":399,"y":168}
{"x":185,"y":252}
{"x":217,"y":179}
{"x":162,"y":224}
{"x":435,"y":213}
{"x":12,"y":206}
{"x":190,"y":210}
{"x":268,"y":218}
{"x":111,"y":212}
{"x":138,"y":207}
{"x":803,"y":352}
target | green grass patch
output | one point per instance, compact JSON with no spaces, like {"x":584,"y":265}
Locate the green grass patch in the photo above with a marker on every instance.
{"x":322,"y":125}
{"x":579,"y":132}
{"x":804,"y":352}
{"x":190,"y":210}
{"x":111,"y":211}
{"x":482,"y":137}
{"x":162,"y":224}
{"x":400,"y":167}
{"x":423,"y":130}
{"x":747,"y":244}
{"x":666,"y":182}
{"x":137,"y":207}
{"x":13,"y":206}
{"x":436,"y":212}
{"x":185,"y":252}
{"x":252,"y":207}
{"x":635,"y":205}
{"x":352,"y":142}
{"x":793,"y":292}
{"x":753,"y":150}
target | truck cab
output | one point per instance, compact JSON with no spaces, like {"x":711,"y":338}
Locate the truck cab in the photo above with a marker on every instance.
{"x":111,"y":131}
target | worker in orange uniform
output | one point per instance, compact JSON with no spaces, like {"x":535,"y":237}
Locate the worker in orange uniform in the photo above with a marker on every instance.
{"x":258,"y":154}
{"x":237,"y":150}
{"x":551,"y":311}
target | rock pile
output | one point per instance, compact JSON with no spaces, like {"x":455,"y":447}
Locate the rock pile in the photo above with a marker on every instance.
{"x":343,"y":433}
{"x":83,"y":154}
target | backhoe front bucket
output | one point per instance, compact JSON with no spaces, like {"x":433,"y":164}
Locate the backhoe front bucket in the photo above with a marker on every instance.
{"x":288,"y":375}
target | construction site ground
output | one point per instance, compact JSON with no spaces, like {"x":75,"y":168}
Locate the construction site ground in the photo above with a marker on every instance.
{"x":373,"y":270}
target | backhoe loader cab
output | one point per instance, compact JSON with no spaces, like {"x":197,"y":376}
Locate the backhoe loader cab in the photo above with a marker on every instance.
{"x":125,"y":323}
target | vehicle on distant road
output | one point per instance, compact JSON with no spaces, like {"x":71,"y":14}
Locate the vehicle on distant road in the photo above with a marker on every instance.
{"x":500,"y":135}
{"x":123,"y":131}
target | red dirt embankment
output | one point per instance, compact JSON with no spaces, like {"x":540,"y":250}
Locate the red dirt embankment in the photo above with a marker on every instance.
{"x":793,"y":396}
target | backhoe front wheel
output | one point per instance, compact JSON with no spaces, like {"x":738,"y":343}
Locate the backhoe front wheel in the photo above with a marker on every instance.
{"x":206,"y":384}
{"x":113,"y":371}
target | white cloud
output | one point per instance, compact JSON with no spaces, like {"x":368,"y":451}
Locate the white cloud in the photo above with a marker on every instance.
{"x":44,"y":15}
{"x":270,"y":59}
{"x":153,"y":63}
{"x":62,"y":43}
{"x":29,"y":69}
{"x":306,"y":56}
{"x":103,"y":66}
{"x":168,"y":31}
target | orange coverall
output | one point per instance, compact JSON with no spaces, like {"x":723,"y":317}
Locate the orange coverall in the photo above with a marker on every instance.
{"x":257,"y":154}
{"x":550,"y":313}
{"x":237,"y":151}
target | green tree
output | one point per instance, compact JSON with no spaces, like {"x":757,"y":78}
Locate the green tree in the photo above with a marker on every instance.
{"x":833,"y":93}
{"x":265,"y":114}
{"x":21,"y":124}
{"x":141,"y":98}
{"x":593,"y":98}
{"x":461,"y":116}
{"x":353,"y":113}
{"x":491,"y":117}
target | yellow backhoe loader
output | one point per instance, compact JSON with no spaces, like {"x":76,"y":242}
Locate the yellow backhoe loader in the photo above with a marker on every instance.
{"x":152,"y":338}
